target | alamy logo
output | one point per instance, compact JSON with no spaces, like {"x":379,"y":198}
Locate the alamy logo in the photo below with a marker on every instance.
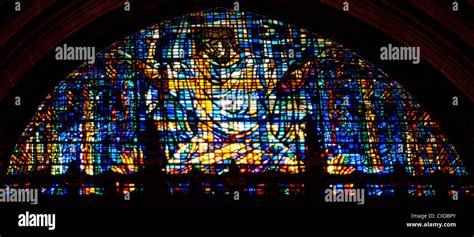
{"x":400,"y":53}
{"x":345,"y":195}
{"x":37,"y":220}
{"x":19,"y":195}
{"x":75,"y":53}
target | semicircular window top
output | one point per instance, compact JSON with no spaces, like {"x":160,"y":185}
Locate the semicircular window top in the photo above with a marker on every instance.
{"x":218,"y":88}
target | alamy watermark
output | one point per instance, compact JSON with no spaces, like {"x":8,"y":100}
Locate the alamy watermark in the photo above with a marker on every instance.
{"x":83,"y":53}
{"x":345,"y":195}
{"x":400,"y":53}
{"x":37,"y":220}
{"x":19,"y":195}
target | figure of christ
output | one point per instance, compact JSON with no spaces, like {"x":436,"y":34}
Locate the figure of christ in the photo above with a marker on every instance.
{"x":224,"y":104}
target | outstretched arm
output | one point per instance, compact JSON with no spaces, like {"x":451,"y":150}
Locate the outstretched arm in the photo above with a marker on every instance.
{"x":150,"y":70}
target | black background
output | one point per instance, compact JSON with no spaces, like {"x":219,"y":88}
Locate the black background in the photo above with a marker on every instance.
{"x":429,"y":87}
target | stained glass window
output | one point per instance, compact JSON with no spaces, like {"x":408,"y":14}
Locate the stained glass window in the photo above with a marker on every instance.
{"x":380,"y":190}
{"x":222,"y":86}
{"x":421,"y":190}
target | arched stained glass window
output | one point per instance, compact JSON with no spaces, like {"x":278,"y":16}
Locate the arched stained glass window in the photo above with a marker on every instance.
{"x":214,"y":88}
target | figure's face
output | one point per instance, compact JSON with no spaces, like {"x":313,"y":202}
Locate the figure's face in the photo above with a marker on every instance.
{"x":219,"y":50}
